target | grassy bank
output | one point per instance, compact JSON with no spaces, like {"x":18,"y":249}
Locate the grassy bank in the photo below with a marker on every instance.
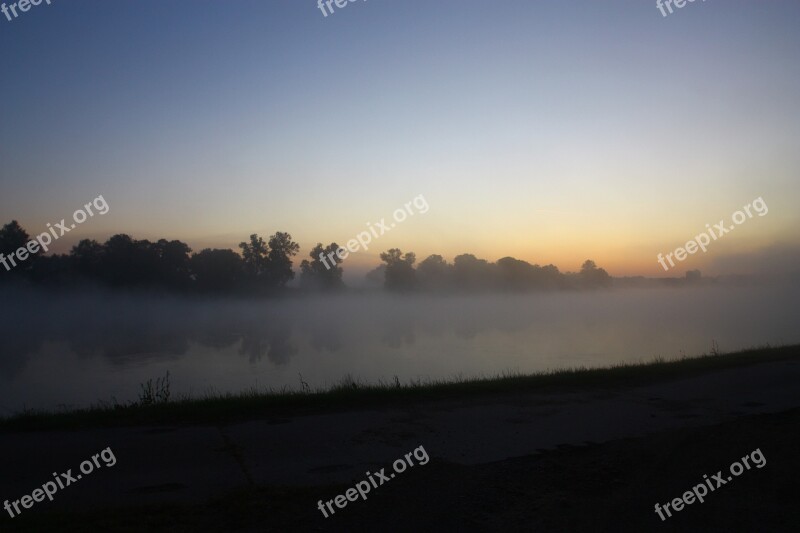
{"x":350,"y":394}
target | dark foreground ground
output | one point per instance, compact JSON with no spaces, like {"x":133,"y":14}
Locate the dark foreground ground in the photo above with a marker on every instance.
{"x":597,"y":487}
{"x":575,"y":457}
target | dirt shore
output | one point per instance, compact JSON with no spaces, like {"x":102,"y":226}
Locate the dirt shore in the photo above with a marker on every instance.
{"x":572,"y":461}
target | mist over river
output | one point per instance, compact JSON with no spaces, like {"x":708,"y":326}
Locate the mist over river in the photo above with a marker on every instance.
{"x":72,"y":350}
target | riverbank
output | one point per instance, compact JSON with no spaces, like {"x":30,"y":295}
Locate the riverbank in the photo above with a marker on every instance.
{"x":352,"y":394}
{"x":592,"y":455}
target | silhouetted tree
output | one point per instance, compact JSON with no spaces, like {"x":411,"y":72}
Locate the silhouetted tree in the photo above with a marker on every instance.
{"x":254,"y":254}
{"x":173,"y":263}
{"x":471,"y":273}
{"x":12,"y":238}
{"x":87,"y":259}
{"x":281,"y":250}
{"x":592,"y":277}
{"x":434,"y":273}
{"x":514,"y":274}
{"x":217,"y":270}
{"x":269,"y":265}
{"x":377,"y":275}
{"x":400,"y":274}
{"x":548,"y":277}
{"x":315,"y":274}
{"x":129,"y":263}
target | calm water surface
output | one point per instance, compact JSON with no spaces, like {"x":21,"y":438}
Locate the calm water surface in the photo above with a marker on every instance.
{"x":69,"y":351}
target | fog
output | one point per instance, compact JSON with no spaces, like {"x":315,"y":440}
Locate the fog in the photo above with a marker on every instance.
{"x":76,"y":349}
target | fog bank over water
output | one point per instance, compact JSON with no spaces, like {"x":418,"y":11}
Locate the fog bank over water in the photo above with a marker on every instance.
{"x":76,"y":349}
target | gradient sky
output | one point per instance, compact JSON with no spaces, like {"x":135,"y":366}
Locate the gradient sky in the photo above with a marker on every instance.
{"x":551,"y":131}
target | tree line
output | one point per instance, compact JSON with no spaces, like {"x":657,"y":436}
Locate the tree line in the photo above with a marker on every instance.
{"x":469,"y":273}
{"x":265,"y":267}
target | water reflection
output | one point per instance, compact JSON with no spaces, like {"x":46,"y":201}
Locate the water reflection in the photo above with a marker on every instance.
{"x":230,"y":344}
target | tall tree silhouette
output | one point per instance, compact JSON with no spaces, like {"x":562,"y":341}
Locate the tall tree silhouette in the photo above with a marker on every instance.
{"x":315,"y":274}
{"x":254,"y":254}
{"x":269,"y":265}
{"x":281,"y":250}
{"x":400,"y":273}
{"x":173,"y":263}
{"x":12,"y":238}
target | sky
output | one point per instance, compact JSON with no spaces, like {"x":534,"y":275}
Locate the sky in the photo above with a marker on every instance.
{"x":551,"y":131}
